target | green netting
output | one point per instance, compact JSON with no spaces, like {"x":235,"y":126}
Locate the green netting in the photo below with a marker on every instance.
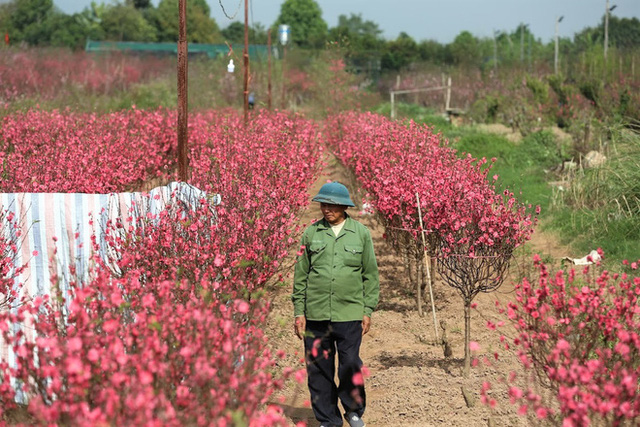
{"x":210,"y":50}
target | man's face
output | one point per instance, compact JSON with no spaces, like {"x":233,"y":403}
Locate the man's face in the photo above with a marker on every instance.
{"x":334,"y":214}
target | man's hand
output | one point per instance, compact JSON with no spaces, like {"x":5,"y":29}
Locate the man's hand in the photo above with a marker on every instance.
{"x":300,"y":326}
{"x":366,"y":324}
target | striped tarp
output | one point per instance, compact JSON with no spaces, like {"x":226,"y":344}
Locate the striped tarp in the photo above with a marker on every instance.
{"x":64,"y":223}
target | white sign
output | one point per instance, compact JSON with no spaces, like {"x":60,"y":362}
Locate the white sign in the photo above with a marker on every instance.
{"x":284,"y":31}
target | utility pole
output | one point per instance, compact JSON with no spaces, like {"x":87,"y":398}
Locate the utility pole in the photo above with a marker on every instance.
{"x":245,"y":54}
{"x":555,"y":59}
{"x":495,"y":52}
{"x":283,"y":33}
{"x":522,"y":28}
{"x":269,"y":75}
{"x":606,"y":28}
{"x":183,"y":137}
{"x":284,"y":61}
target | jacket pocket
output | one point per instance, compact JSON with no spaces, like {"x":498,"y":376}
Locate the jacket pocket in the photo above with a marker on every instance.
{"x":316,"y":250}
{"x":353,"y":255}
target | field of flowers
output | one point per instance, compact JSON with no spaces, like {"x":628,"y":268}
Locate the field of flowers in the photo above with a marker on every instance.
{"x":176,"y":338}
{"x":47,"y":74}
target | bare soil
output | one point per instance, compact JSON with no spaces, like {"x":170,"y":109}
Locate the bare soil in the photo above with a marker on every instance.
{"x":411,"y":383}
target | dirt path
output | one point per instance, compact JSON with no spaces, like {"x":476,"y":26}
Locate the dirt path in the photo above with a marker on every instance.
{"x":410,"y":382}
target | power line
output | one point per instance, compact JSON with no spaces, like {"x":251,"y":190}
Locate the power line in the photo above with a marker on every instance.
{"x":225,"y":12}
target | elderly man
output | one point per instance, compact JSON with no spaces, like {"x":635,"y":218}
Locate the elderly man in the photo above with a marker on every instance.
{"x":335,"y":290}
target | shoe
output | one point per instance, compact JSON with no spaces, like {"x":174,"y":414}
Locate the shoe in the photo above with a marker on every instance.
{"x":354,"y":420}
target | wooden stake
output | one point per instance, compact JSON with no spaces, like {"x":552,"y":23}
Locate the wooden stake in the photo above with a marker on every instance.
{"x":427,"y":260}
{"x":448,"y":101}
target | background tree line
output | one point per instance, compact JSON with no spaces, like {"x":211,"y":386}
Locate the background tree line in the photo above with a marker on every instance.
{"x":40,"y":23}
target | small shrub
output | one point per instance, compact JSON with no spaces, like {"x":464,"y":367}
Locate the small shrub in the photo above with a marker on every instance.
{"x":539,"y":90}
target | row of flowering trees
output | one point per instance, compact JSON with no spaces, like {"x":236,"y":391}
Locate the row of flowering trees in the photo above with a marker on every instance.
{"x":176,"y":337}
{"x":471,"y":228}
{"x":576,"y":335}
{"x":67,"y":152}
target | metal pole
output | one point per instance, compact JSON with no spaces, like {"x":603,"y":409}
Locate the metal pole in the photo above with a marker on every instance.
{"x":521,"y":43}
{"x":606,"y":30}
{"x":269,"y":75}
{"x":284,"y":61}
{"x":555,"y":59}
{"x":555,"y":55}
{"x":183,"y":153}
{"x":246,"y":61}
{"x":495,"y":53}
{"x":530,"y":36}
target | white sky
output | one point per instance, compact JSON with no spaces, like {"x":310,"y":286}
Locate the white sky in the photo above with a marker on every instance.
{"x":429,"y":19}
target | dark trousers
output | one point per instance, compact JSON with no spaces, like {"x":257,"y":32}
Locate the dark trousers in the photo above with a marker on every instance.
{"x":322,"y":340}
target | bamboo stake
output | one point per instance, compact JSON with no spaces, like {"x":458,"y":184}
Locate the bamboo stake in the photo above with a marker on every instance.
{"x":428,"y":264}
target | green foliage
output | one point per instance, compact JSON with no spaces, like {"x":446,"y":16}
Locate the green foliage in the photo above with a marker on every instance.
{"x":139,"y":4}
{"x":355,"y":26}
{"x":66,"y":31}
{"x":601,"y":206}
{"x":151,"y":96}
{"x":541,"y":149}
{"x":126,"y":23}
{"x":590,"y":89}
{"x":361,"y":42}
{"x":513,"y":166}
{"x":539,"y":90}
{"x":201,"y":28}
{"x":304,"y":17}
{"x":234,"y":33}
{"x":624,"y":32}
{"x":418,"y":114}
{"x":400,"y":53}
{"x":90,"y":19}
{"x":432,"y":51}
{"x":26,"y":20}
{"x":556,"y":82}
{"x":464,"y":49}
{"x":486,"y":109}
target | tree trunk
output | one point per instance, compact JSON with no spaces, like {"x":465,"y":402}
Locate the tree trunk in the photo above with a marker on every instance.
{"x":467,"y":338}
{"x":419,"y":282}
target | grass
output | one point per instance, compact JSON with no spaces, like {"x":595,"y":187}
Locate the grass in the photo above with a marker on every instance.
{"x":520,"y":167}
{"x":599,"y":208}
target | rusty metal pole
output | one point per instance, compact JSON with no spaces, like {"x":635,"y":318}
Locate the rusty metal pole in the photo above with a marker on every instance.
{"x":269,"y":75}
{"x":183,"y":137}
{"x":284,"y":60}
{"x":246,"y":61}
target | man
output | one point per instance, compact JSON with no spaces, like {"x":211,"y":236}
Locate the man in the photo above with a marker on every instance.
{"x":335,"y":290}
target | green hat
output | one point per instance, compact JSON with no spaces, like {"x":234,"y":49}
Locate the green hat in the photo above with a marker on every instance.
{"x":334,"y":193}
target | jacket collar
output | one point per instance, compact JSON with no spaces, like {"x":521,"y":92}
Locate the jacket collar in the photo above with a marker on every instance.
{"x":349,"y":224}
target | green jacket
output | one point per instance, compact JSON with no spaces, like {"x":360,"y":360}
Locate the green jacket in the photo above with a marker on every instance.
{"x":336,"y":278}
